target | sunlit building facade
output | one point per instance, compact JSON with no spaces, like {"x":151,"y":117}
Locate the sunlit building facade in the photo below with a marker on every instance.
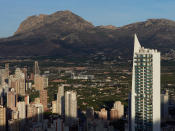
{"x":145,"y":96}
{"x":2,"y":118}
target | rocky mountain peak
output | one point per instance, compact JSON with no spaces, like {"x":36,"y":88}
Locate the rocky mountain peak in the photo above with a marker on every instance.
{"x":64,"y":33}
{"x":58,"y":19}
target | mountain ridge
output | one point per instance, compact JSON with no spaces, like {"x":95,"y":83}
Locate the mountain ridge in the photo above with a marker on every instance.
{"x":64,"y":33}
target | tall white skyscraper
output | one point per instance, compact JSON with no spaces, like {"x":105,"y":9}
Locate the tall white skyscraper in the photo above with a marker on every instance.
{"x":60,"y":100}
{"x":145,"y":96}
{"x":70,"y":107}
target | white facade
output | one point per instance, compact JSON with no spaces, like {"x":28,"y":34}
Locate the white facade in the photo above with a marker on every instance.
{"x":145,"y":96}
{"x":70,"y":107}
{"x":22,"y":110}
{"x":54,"y":106}
{"x":120,"y":108}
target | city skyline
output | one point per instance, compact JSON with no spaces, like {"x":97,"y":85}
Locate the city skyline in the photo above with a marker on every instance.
{"x":86,"y":96}
{"x":117,"y":13}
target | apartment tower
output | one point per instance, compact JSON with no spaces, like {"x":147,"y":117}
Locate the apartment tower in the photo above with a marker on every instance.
{"x":145,"y":96}
{"x":60,"y":101}
{"x":70,"y":107}
{"x":36,"y":68}
{"x":43,"y":99}
{"x":11,"y":99}
{"x":2,"y":118}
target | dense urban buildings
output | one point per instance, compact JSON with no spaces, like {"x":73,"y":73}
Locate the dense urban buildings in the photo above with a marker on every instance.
{"x":85,"y":98}
{"x":145,"y":97}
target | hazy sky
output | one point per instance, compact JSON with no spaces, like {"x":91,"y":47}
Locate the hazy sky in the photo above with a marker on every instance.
{"x":99,"y":12}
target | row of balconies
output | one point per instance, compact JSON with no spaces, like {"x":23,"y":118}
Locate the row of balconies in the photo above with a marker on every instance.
{"x":142,"y":57}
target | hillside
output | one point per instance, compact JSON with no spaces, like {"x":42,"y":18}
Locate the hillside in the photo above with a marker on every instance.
{"x":64,"y":33}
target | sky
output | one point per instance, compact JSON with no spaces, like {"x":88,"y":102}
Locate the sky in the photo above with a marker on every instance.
{"x":98,"y":12}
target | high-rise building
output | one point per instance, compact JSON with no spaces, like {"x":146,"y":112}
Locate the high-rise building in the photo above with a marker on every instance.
{"x":120,"y":108}
{"x":17,"y":82}
{"x":41,"y":82}
{"x":60,"y":101}
{"x":11,"y":99}
{"x":15,"y":114}
{"x":30,"y":111}
{"x":43,"y":99}
{"x":7,"y":70}
{"x":145,"y":96}
{"x":114,"y":114}
{"x":164,"y":106}
{"x":36,"y":68}
{"x":4,"y":75}
{"x":39,"y":112}
{"x":1,"y":96}
{"x":70,"y":107}
{"x":54,"y":106}
{"x":2,"y":118}
{"x":31,"y":76}
{"x":22,"y":110}
{"x":103,"y":114}
{"x":35,"y":112}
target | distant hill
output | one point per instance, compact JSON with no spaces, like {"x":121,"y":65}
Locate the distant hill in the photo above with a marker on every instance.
{"x":64,"y":33}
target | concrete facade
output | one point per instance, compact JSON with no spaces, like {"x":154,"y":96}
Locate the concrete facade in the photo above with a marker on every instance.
{"x":145,"y":96}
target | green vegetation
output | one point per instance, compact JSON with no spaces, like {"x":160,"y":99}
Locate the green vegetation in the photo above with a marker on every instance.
{"x":20,"y":98}
{"x":112,"y":78}
{"x":32,"y":94}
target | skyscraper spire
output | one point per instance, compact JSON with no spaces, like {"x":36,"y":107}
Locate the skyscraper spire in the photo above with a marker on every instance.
{"x":36,"y":68}
{"x":137,"y":45}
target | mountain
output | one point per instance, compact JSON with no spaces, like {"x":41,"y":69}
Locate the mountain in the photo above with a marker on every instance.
{"x":64,"y":33}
